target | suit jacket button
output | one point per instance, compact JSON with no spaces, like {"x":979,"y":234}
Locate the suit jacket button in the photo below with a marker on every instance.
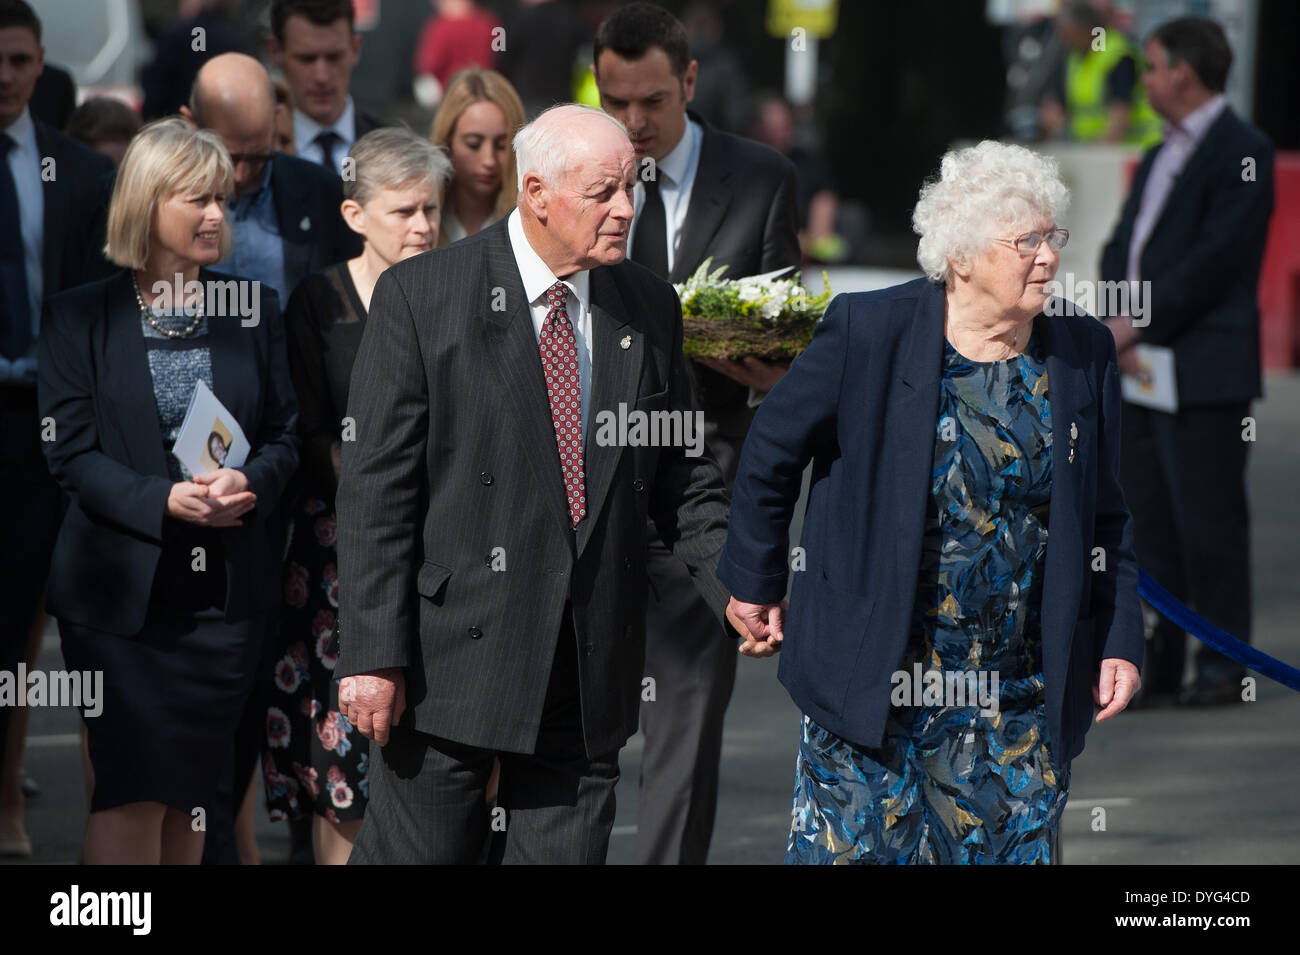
{"x":638,"y":485}
{"x":627,"y":564}
{"x":475,"y":633}
{"x":488,"y":560}
{"x":486,"y":478}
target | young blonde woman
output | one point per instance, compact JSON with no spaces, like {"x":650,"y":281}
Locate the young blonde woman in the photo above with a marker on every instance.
{"x":475,"y":124}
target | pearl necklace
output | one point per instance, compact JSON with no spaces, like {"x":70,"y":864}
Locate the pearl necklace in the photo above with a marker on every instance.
{"x":147,"y":312}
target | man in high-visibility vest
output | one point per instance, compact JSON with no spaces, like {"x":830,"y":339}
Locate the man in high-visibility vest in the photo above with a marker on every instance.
{"x":1098,"y":98}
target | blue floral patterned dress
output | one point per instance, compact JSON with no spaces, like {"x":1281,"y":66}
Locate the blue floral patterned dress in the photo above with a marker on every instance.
{"x":957,"y":780}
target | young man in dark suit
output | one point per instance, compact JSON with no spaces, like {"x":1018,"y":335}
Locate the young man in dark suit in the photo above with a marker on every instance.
{"x":491,"y":524}
{"x":1194,"y":226}
{"x":51,"y":192}
{"x":316,"y":44}
{"x":710,"y":194}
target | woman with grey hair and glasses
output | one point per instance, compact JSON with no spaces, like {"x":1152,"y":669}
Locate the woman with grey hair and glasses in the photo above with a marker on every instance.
{"x":967,"y":589}
{"x":315,"y":760}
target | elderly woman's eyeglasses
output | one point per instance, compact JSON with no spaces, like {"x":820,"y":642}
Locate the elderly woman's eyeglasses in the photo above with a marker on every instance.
{"x":1028,"y":243}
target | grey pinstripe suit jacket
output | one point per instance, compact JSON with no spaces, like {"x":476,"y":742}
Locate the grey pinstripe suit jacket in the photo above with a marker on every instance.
{"x":455,"y":455}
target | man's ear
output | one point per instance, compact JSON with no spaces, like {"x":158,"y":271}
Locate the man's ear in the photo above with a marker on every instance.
{"x":534,"y":194}
{"x":185,"y":112}
{"x":688,"y":80}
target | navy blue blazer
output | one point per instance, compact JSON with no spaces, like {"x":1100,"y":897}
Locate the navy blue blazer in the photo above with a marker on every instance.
{"x":1203,"y":259}
{"x":862,"y":403}
{"x":108,"y":453}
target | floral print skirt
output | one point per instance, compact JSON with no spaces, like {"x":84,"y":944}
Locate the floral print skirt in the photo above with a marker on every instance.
{"x":315,"y":760}
{"x":949,"y":786}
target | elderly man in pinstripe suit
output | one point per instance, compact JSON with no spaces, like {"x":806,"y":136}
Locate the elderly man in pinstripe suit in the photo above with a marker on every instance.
{"x":491,"y":538}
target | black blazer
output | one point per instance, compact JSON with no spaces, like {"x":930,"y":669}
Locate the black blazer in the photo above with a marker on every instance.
{"x":312,"y":231}
{"x":76,"y":204}
{"x":861,"y":403}
{"x":742,"y":213}
{"x":108,"y":453}
{"x":1203,"y":260}
{"x":455,"y":456}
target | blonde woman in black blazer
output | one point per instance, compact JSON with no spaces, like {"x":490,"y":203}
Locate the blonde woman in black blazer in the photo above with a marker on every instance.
{"x":161,"y":578}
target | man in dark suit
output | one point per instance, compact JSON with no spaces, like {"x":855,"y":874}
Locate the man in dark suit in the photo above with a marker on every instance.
{"x":1194,"y":227}
{"x":702,"y":193}
{"x":51,"y":187}
{"x":285,"y":212}
{"x":492,"y":522}
{"x":316,"y":44}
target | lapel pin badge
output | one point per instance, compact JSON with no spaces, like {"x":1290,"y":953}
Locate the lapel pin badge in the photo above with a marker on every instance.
{"x":1074,"y":430}
{"x":305,"y":224}
{"x":626,"y":343}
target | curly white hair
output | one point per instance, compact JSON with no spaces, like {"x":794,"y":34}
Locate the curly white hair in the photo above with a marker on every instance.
{"x":982,"y":190}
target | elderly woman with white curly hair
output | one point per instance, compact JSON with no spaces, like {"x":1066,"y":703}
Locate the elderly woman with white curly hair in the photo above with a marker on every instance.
{"x":966,"y":589}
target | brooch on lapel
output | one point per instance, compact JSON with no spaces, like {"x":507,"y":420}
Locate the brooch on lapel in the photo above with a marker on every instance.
{"x":305,"y":224}
{"x":1074,"y":433}
{"x":626,"y":343}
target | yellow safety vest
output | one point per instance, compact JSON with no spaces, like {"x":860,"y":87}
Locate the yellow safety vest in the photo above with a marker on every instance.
{"x":1085,"y":94}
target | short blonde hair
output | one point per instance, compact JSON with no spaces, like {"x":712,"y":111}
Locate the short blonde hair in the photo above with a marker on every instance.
{"x":980,"y":190}
{"x":165,"y":158}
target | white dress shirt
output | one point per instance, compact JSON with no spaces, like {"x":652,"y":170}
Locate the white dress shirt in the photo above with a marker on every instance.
{"x":676,"y":173}
{"x":25,"y":166}
{"x":1180,"y":142}
{"x":306,"y":129}
{"x":538,"y":278}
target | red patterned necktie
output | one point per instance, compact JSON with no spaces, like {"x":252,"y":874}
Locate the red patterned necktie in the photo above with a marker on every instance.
{"x":559,"y":352}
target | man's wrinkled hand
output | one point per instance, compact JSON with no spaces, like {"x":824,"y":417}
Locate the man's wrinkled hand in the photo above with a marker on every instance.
{"x":1117,"y":681}
{"x":762,"y":626}
{"x":374,"y":702}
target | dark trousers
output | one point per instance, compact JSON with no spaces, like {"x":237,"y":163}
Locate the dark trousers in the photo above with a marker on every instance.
{"x":1184,"y":480}
{"x":693,"y":665}
{"x":554,"y":805}
{"x":30,"y":513}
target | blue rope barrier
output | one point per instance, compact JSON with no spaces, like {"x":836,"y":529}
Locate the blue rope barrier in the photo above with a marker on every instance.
{"x":1173,"y":609}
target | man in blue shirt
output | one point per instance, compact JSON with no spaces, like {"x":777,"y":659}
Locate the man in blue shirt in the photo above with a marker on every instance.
{"x":284,"y":215}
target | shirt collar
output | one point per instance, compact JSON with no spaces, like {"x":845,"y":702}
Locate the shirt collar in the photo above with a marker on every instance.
{"x":1199,"y":121}
{"x":1196,"y":123}
{"x":23,"y":131}
{"x":260,"y":191}
{"x":536,"y":274}
{"x":306,"y":129}
{"x":678,"y":162}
